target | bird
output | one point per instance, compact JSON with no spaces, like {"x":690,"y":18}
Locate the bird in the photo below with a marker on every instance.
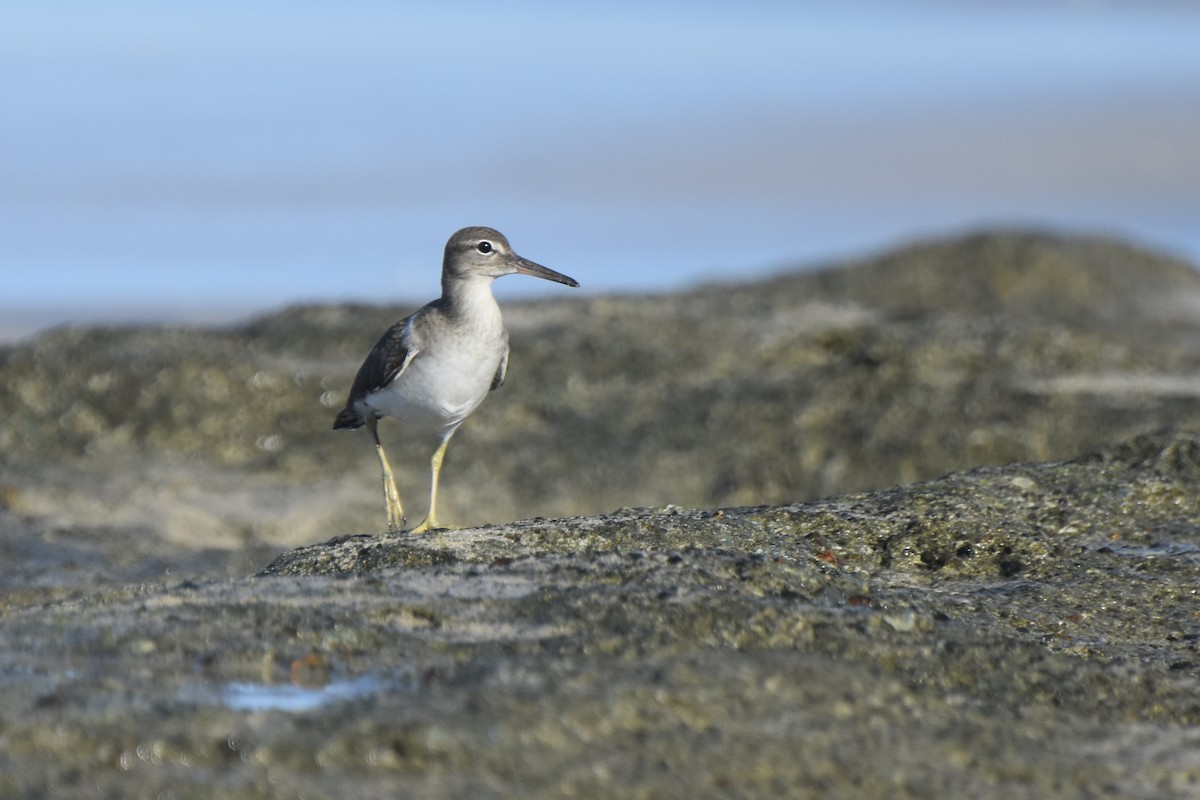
{"x":433,"y":368}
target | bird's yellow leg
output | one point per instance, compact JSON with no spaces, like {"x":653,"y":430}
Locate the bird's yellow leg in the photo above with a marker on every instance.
{"x":391,"y":495}
{"x":430,"y":522}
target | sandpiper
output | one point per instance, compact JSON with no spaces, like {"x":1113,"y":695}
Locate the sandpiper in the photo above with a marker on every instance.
{"x":433,"y":368}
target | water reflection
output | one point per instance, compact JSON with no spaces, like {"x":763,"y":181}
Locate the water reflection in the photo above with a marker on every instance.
{"x":294,"y":698}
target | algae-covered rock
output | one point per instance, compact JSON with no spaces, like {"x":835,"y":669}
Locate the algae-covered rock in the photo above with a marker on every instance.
{"x":982,"y":350}
{"x":1028,"y":630}
{"x":923,"y":525}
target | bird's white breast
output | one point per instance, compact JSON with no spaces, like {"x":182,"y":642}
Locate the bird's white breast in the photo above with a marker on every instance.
{"x":449,"y":377}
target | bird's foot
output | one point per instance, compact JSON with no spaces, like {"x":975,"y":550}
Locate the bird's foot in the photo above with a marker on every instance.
{"x":395,"y":510}
{"x":428,"y":524}
{"x":395,"y":513}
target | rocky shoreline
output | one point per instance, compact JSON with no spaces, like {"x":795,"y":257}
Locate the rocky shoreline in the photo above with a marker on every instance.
{"x":1029,"y":630}
{"x":923,"y":526}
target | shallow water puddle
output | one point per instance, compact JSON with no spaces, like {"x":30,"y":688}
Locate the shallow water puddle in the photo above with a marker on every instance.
{"x":294,"y":698}
{"x":1159,"y":549}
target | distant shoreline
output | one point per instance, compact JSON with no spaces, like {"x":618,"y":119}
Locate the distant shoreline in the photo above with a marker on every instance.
{"x":20,"y":324}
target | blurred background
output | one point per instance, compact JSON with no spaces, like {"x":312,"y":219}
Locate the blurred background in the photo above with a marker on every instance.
{"x":199,"y":161}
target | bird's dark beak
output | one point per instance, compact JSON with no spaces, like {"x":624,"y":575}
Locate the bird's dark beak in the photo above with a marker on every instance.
{"x":527,"y":267}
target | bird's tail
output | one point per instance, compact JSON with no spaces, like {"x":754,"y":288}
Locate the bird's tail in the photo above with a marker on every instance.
{"x":348,"y":419}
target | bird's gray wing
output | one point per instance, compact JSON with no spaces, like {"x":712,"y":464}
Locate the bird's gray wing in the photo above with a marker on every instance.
{"x":394,"y":351}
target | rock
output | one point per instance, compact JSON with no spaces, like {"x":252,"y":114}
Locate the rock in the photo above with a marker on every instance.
{"x":982,"y":350}
{"x":858,"y":552}
{"x":1023,"y":630}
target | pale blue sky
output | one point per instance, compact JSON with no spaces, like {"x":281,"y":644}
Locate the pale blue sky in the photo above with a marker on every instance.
{"x":204,"y":160}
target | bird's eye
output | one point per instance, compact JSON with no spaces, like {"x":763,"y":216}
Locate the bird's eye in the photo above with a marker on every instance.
{"x":484,"y":247}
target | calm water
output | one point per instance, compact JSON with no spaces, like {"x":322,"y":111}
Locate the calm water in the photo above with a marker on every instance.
{"x":195,"y":160}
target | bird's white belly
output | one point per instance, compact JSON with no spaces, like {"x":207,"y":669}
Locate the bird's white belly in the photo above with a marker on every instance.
{"x":437,"y":391}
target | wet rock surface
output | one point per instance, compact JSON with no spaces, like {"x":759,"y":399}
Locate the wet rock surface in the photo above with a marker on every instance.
{"x":1027,"y":625}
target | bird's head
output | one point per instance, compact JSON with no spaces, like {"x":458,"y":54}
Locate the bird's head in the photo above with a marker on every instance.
{"x":484,"y":252}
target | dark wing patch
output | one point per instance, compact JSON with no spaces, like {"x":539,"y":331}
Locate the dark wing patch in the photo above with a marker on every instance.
{"x":348,"y":419}
{"x":388,"y":358}
{"x":501,"y":370}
